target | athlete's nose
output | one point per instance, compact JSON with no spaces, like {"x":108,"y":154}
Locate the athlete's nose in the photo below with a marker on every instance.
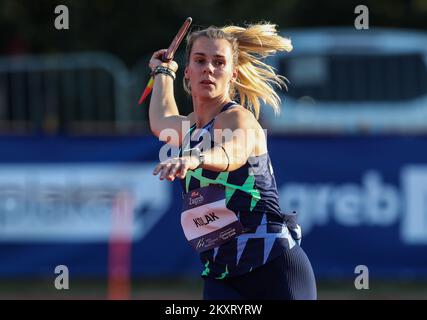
{"x":208,"y":68}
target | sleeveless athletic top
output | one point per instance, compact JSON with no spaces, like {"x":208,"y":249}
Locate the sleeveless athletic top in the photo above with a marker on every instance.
{"x":251,"y":193}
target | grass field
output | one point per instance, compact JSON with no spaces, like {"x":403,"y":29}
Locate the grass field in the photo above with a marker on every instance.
{"x":185,"y":289}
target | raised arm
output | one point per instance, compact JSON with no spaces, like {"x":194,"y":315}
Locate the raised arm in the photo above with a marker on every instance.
{"x":163,"y":112}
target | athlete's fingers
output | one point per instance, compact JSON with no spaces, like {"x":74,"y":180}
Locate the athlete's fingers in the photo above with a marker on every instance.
{"x":165,"y":169}
{"x":156,"y":60}
{"x":157,"y":169}
{"x":174,"y":169}
{"x":158,"y":54}
{"x":184,"y":169}
{"x":163,"y":172}
{"x":170,"y":172}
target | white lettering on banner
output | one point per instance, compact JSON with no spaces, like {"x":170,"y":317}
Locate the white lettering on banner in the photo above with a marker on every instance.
{"x":347,"y":205}
{"x":373,"y":203}
{"x":60,"y":202}
{"x":414,"y":222}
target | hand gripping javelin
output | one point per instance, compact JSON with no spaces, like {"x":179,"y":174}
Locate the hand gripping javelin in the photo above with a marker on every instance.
{"x":168,"y":55}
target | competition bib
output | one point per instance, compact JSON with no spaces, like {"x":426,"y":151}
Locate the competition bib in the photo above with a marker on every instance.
{"x":205,"y":219}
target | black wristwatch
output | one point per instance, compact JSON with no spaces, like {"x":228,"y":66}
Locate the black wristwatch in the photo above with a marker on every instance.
{"x":195,"y":152}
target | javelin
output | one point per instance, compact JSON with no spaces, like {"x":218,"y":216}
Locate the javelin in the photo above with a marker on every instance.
{"x":168,"y":55}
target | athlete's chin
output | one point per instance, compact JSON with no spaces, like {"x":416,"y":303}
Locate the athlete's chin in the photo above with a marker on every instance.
{"x":208,"y":94}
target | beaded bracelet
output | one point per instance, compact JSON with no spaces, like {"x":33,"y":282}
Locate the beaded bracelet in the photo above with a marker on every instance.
{"x":164,"y":70}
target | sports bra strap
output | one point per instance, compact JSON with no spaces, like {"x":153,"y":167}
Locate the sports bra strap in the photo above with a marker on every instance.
{"x":228,"y":106}
{"x":193,"y":127}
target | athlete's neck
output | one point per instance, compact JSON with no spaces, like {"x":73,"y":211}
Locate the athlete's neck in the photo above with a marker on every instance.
{"x":206,"y":110}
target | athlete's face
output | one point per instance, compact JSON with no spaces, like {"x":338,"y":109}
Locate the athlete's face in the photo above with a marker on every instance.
{"x":210,"y":69}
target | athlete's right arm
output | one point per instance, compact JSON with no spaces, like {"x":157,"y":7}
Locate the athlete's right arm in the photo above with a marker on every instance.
{"x":165,"y":119}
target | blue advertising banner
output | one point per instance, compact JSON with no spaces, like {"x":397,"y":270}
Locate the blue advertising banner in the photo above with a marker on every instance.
{"x":361,"y":201}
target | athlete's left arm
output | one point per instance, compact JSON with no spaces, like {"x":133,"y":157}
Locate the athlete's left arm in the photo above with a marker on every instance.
{"x":236,"y":134}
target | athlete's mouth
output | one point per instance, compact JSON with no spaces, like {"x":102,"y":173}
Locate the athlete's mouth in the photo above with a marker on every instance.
{"x":207,"y":82}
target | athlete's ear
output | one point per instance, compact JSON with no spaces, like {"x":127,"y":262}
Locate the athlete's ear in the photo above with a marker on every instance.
{"x":186,"y":73}
{"x":235,"y":74}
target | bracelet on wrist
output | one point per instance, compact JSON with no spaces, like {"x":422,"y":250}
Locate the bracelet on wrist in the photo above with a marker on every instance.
{"x":164,"y":70}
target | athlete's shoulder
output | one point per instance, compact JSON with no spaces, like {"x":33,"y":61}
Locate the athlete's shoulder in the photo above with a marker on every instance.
{"x":236,"y":117}
{"x":239,"y":110}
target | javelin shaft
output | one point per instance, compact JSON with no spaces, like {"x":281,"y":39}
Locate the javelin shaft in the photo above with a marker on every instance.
{"x":169,"y":54}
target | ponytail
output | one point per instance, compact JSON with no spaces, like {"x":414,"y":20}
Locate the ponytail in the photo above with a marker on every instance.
{"x":256,"y":80}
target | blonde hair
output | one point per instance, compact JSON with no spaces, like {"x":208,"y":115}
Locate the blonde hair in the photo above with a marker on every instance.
{"x":255,"y":79}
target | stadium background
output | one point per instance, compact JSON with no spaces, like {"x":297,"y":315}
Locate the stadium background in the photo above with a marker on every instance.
{"x":75,"y":168}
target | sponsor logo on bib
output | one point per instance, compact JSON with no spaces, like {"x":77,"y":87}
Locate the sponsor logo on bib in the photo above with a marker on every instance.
{"x":195,"y":198}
